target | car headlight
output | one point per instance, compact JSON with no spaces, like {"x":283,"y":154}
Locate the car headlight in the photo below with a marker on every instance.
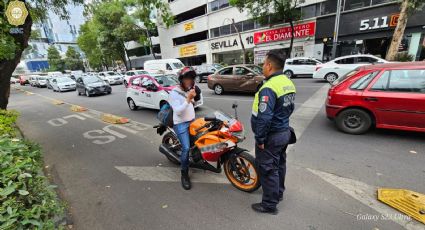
{"x":89,"y":88}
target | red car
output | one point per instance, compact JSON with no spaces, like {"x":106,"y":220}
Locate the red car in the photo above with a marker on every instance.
{"x":388,"y":96}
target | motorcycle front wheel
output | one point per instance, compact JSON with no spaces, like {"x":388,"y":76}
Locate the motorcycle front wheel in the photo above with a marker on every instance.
{"x":242,"y":173}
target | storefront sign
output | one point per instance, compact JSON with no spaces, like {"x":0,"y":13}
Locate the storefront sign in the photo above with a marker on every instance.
{"x":284,"y":33}
{"x":379,"y":22}
{"x":189,"y":50}
{"x":232,"y":43}
{"x":224,"y":44}
{"x":188,"y":26}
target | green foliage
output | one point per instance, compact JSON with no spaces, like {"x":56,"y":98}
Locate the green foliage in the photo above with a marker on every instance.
{"x":26,"y":199}
{"x":73,"y":59}
{"x":7,"y":121}
{"x":7,"y":46}
{"x":415,"y":5}
{"x":56,"y":63}
{"x":111,"y":26}
{"x":404,"y":57}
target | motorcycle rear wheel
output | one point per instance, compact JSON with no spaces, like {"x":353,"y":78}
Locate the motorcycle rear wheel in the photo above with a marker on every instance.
{"x":243,"y":175}
{"x":172,"y":142}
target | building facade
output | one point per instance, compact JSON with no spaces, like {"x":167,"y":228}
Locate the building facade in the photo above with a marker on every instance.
{"x":54,"y":31}
{"x":204,"y":33}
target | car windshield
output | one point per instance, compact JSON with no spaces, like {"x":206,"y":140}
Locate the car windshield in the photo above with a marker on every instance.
{"x":217,"y":66}
{"x":110,"y":73}
{"x":178,"y":65}
{"x":224,"y":117}
{"x":349,"y":74}
{"x":167,"y":80}
{"x":256,"y":68}
{"x":41,"y":78}
{"x":91,"y":79}
{"x":63,"y":80}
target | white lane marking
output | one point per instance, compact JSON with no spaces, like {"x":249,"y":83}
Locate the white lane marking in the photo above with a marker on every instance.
{"x":74,"y":116}
{"x":57,"y":122}
{"x":366,"y":194}
{"x":170,"y":174}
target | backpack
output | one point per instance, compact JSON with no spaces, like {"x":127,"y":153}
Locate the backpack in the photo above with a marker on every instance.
{"x":165,"y":115}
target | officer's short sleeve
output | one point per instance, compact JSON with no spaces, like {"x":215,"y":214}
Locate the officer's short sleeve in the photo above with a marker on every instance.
{"x":266,"y":104}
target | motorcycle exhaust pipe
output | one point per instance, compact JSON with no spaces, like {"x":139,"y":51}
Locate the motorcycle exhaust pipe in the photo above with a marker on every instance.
{"x":164,"y":150}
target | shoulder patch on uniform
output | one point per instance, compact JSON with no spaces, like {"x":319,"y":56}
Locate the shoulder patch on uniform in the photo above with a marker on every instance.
{"x":262,"y":107}
{"x":264,"y":98}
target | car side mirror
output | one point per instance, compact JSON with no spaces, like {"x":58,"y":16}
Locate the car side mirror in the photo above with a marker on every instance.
{"x":235,"y":105}
{"x":250,"y":75}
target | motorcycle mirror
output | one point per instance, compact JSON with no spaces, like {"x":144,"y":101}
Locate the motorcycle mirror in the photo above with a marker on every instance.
{"x":235,"y":105}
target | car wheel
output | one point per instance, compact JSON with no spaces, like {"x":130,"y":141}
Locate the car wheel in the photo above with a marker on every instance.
{"x":218,"y":89}
{"x":289,"y":73}
{"x":331,"y":77}
{"x":131,"y":104}
{"x":78,"y":93}
{"x":87,"y":93}
{"x":125,"y":84}
{"x":198,"y":79}
{"x":354,"y":121}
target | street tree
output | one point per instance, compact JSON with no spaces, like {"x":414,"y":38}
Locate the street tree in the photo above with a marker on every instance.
{"x":56,"y":63}
{"x":13,"y":45}
{"x":87,"y":41}
{"x":73,"y":59}
{"x":271,"y":12}
{"x":407,"y":8}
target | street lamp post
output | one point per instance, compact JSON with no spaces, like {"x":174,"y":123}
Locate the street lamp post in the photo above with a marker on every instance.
{"x":240,"y":38}
{"x":336,"y":29}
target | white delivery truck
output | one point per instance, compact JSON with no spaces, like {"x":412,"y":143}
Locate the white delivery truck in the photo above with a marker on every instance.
{"x":167,"y":66}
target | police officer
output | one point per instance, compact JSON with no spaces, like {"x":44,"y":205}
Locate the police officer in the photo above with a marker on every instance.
{"x":272,"y":107}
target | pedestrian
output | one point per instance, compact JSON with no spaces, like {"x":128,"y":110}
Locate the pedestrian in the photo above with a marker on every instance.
{"x":272,"y":107}
{"x":182,"y":99}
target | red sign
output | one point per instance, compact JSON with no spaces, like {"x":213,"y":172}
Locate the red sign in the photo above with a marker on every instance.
{"x":284,"y":33}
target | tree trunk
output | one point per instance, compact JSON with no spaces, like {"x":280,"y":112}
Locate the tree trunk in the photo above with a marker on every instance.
{"x":8,"y":66}
{"x":151,"y":44}
{"x":398,"y":32}
{"x":292,"y":38}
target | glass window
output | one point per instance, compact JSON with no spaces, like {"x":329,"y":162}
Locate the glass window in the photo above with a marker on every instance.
{"x":366,"y":60}
{"x":355,"y":4}
{"x":308,"y":11}
{"x":146,"y":82}
{"x":215,"y":32}
{"x":135,"y":81}
{"x":248,"y":25}
{"x":224,"y":30}
{"x":214,"y":5}
{"x":238,"y":26}
{"x":345,"y":61}
{"x":168,"y":67}
{"x":226,"y":71}
{"x":376,"y":2}
{"x":223,"y":3}
{"x":364,"y":81}
{"x":407,"y":81}
{"x":241,"y":71}
{"x":382,"y":82}
{"x":310,"y":62}
{"x":328,"y":7}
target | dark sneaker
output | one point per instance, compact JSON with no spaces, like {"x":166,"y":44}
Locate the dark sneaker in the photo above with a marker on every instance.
{"x":259,"y":208}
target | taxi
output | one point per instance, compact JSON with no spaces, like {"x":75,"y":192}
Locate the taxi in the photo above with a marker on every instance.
{"x":151,"y":91}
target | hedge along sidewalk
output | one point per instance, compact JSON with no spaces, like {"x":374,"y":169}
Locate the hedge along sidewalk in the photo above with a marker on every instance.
{"x":27,"y":201}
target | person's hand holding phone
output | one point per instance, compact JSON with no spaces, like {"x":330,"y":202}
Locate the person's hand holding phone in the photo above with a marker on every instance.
{"x":191,"y":94}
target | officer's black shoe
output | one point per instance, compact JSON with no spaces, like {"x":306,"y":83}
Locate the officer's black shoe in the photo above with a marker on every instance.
{"x":259,"y":208}
{"x":186,"y":180}
{"x":281,"y":197}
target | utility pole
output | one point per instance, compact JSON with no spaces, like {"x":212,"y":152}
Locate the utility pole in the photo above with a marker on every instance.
{"x":336,"y":29}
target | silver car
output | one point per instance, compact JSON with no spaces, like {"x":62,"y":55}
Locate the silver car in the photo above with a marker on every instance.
{"x":41,"y":82}
{"x":62,"y":84}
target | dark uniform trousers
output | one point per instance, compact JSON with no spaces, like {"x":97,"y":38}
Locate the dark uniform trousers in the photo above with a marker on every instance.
{"x":271,"y":162}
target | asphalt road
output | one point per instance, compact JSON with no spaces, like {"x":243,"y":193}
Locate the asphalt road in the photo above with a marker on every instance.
{"x":113,"y":177}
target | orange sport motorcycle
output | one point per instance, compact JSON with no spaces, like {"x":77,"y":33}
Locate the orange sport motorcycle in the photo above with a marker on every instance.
{"x":214,"y":140}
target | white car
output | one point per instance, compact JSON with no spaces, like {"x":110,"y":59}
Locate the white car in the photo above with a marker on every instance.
{"x":332,"y":70}
{"x":62,"y":84}
{"x":111,"y":77}
{"x":166,"y":66}
{"x":13,"y":80}
{"x":132,"y":73}
{"x":300,"y":66}
{"x":151,"y":91}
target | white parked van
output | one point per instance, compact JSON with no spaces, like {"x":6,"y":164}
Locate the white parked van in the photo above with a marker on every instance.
{"x":167,"y":66}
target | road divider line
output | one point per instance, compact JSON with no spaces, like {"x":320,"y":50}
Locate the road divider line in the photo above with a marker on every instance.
{"x":366,"y":194}
{"x":57,"y":102}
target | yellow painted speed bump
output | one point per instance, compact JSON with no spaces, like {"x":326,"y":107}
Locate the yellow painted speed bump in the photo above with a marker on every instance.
{"x":109,"y":118}
{"x":28,"y":93}
{"x":408,"y":202}
{"x":57,"y":102}
{"x":77,"y":108}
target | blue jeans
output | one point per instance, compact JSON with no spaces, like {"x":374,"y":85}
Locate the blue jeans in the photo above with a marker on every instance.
{"x":182,"y":131}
